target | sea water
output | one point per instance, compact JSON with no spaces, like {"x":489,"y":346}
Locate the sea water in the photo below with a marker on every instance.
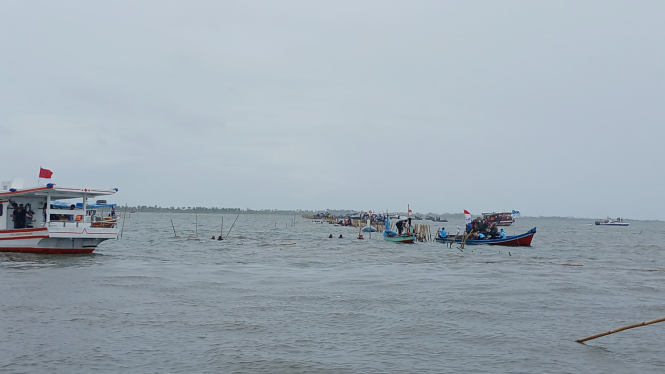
{"x":279,"y":298}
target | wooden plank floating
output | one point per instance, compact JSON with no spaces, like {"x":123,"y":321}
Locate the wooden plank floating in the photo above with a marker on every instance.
{"x":621,"y":329}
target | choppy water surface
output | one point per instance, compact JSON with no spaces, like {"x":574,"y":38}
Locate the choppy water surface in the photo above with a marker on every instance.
{"x":152,"y":303}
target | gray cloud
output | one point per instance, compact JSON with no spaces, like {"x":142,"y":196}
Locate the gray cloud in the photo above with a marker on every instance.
{"x":550,"y":108}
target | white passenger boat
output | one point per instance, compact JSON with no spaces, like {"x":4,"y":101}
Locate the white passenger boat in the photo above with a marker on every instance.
{"x":501,"y":219}
{"x":612,"y":222}
{"x":47,"y":227}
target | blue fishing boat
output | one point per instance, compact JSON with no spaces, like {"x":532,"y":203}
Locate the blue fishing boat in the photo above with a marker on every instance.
{"x":392,"y":236}
{"x":522,"y":240}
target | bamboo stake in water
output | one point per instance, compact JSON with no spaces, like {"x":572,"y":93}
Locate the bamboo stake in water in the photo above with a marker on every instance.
{"x":196,"y":214}
{"x":221,"y":231}
{"x":234,"y":223}
{"x":174,"y":234}
{"x":621,"y":329}
{"x":454,"y":240}
{"x":123,"y":221}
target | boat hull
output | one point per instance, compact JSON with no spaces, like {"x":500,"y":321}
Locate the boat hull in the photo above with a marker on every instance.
{"x":56,"y":241}
{"x":391,"y":236}
{"x":523,"y":240}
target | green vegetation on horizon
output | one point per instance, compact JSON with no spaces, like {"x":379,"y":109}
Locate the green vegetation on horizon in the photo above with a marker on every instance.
{"x":201,"y":209}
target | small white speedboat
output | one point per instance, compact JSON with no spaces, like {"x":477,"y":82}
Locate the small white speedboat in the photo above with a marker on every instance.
{"x":612,"y":222}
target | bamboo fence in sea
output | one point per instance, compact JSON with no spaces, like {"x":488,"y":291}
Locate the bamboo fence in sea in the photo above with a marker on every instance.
{"x":423,"y":231}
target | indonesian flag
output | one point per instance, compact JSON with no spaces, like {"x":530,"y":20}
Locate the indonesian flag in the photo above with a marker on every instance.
{"x":45,"y":173}
{"x":44,"y":176}
{"x":467,"y":216}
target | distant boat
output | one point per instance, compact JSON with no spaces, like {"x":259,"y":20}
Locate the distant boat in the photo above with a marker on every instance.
{"x":369,"y":227}
{"x":523,"y":240}
{"x":392,"y":236}
{"x":612,"y":222}
{"x":436,"y":219}
{"x":501,"y":219}
{"x":355,"y":215}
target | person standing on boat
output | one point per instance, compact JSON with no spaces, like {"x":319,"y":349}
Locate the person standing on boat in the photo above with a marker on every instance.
{"x":20,"y":217}
{"x":400,"y":225}
{"x":493,"y":231}
{"x":71,"y":216}
{"x":14,"y":214}
{"x":502,"y":235}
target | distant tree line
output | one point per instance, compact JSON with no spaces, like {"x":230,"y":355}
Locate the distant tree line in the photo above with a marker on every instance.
{"x":203,"y":209}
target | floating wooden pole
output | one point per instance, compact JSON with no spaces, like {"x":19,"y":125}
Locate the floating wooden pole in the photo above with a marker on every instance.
{"x":234,"y":223}
{"x":172,"y":225}
{"x":621,"y":329}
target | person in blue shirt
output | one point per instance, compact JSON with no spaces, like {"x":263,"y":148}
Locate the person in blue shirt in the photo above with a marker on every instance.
{"x":502,"y":235}
{"x":443,"y":233}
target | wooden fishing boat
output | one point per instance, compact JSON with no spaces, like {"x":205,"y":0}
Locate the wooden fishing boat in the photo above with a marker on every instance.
{"x":392,"y":236}
{"x":523,"y":240}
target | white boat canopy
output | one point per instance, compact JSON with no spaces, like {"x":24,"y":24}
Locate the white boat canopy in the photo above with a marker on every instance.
{"x":58,"y":193}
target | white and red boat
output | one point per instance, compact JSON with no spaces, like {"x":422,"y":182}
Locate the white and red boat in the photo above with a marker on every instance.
{"x":49,"y":228}
{"x":500,"y":219}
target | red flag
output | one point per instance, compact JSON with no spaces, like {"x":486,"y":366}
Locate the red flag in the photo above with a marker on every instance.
{"x":467,"y":216}
{"x":45,"y":173}
{"x":410,"y":211}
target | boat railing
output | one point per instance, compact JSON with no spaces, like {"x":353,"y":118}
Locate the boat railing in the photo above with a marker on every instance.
{"x":81,"y":221}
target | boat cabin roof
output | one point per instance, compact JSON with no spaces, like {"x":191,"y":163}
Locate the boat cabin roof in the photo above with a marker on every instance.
{"x":57,"y":193}
{"x":492,"y":214}
{"x":66,"y":205}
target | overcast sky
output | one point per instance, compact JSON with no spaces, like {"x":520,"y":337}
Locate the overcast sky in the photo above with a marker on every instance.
{"x":550,"y":108}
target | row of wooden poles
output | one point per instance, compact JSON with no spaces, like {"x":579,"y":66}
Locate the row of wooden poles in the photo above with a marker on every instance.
{"x":423,"y":232}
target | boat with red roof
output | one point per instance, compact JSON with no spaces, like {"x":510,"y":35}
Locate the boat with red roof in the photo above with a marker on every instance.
{"x":47,"y":220}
